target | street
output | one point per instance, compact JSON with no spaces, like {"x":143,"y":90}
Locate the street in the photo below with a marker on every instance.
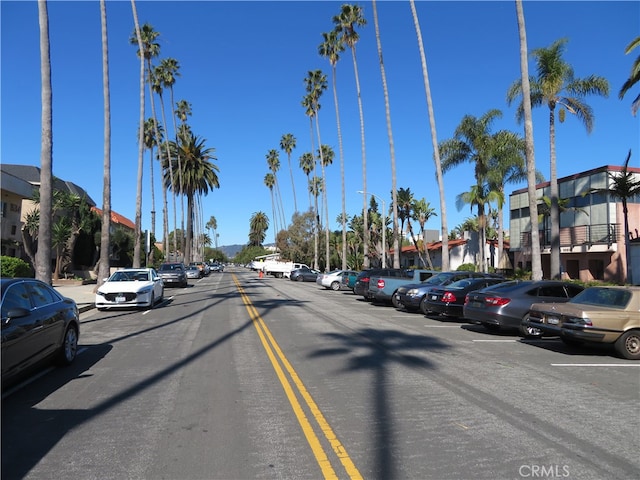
{"x":237,"y":377}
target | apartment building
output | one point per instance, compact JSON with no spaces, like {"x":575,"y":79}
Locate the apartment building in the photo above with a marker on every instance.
{"x":592,"y":242}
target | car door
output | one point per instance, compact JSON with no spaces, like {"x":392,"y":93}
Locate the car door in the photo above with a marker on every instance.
{"x":19,"y":345}
{"x":49,"y":318}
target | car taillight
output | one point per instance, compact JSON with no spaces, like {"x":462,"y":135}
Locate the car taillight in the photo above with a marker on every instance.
{"x":448,"y":297}
{"x":380,"y":283}
{"x":496,"y":301}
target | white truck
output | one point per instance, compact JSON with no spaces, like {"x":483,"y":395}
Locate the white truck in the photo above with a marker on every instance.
{"x":277,"y":268}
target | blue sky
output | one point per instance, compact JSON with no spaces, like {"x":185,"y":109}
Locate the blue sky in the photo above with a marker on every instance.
{"x":242,"y":66}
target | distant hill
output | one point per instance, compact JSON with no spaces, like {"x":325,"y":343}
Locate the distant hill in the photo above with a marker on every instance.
{"x":231,"y":250}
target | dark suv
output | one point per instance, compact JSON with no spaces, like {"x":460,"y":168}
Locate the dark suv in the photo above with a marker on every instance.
{"x":173,"y":274}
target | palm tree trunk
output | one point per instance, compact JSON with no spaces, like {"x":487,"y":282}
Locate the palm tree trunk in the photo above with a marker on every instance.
{"x":43,"y":255}
{"x":434,"y":142}
{"x":394,"y":193}
{"x":344,"y":205}
{"x":553,"y":193}
{"x":175,"y":131}
{"x":103,"y":269}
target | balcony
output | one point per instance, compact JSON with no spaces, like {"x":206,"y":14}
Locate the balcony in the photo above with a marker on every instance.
{"x":584,"y":236}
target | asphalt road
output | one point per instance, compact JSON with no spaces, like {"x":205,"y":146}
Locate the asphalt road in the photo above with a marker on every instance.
{"x":237,"y":377}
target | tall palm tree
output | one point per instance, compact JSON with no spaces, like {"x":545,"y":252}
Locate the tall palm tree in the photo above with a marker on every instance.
{"x":103,"y":269}
{"x":43,"y":255}
{"x":307,"y":103}
{"x":273,"y":161}
{"x":315,"y":188}
{"x":472,"y":143}
{"x":434,"y":142}
{"x":287,"y":144}
{"x":307,"y":162}
{"x":258,"y":226}
{"x":331,"y":48}
{"x":170,"y":70}
{"x":149,"y":142}
{"x":346,"y":22}
{"x":157,"y":86}
{"x":315,"y":85}
{"x":405,"y":202}
{"x":148,"y":48}
{"x":183,"y":111}
{"x":326,"y":155}
{"x":536,"y":261}
{"x":270,"y":182}
{"x":199,"y":177}
{"x":394,"y":195}
{"x":556,"y":86}
{"x":634,"y":76}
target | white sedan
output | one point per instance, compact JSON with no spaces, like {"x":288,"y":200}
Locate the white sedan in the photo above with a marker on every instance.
{"x":332,"y":280}
{"x":130,"y":287}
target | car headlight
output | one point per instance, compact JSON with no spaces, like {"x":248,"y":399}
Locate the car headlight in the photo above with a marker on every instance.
{"x":412,"y":292}
{"x":100,"y":293}
{"x":145,"y":291}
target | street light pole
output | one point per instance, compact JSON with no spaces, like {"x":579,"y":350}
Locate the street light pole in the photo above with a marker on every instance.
{"x":384,"y":228}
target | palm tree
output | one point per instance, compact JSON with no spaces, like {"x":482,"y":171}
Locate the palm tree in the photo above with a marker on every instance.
{"x":536,"y":261}
{"x":199,"y":176}
{"x":43,"y":254}
{"x":183,"y":111}
{"x":634,"y":76}
{"x":273,"y":161}
{"x":434,"y":142}
{"x":258,"y":226}
{"x":404,"y":207}
{"x":103,"y":269}
{"x":287,"y":144}
{"x":144,"y":38}
{"x":623,"y":187}
{"x":422,"y":212}
{"x":306,"y":164}
{"x":326,"y":155}
{"x":315,"y":85}
{"x":315,"y":188}
{"x":149,"y":142}
{"x":350,"y":17}
{"x":556,"y":86}
{"x":394,"y":196}
{"x":170,"y":70}
{"x":270,"y":181}
{"x":331,"y":48}
{"x":212,"y":224}
{"x":472,"y":143}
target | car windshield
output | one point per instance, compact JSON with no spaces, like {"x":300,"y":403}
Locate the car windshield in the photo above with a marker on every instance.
{"x":170,"y":267}
{"x":129,"y":276}
{"x":606,"y":297}
{"x":464,"y":283}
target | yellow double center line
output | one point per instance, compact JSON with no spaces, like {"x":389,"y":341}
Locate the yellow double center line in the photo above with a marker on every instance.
{"x":274,"y":353}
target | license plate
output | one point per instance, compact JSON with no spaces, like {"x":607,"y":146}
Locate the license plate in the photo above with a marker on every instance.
{"x":553,"y":320}
{"x":477,"y":304}
{"x":121,"y":299}
{"x":434,"y":297}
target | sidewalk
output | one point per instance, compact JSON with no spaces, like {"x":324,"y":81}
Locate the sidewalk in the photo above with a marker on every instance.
{"x":84,"y":295}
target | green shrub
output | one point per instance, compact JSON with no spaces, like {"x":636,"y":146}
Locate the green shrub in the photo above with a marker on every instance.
{"x":12,"y":267}
{"x":467,"y":267}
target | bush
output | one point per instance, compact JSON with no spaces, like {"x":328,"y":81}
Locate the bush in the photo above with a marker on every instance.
{"x":467,"y":267}
{"x":12,"y":267}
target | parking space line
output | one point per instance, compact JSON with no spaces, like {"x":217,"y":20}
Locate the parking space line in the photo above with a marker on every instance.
{"x":510,"y":340}
{"x":594,"y":365}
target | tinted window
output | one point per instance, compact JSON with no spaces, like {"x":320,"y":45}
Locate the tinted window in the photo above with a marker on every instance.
{"x":16,"y":296}
{"x":42,"y":295}
{"x":552,"y":291}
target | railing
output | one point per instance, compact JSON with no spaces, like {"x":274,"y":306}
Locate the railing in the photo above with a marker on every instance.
{"x":600,"y":234}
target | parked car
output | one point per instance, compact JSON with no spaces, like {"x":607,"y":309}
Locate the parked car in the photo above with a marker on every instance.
{"x":203,"y":267}
{"x":449,"y":300}
{"x":505,"y":305}
{"x":349,"y":280}
{"x":194,"y":272}
{"x":361,"y":286}
{"x":216,"y":267}
{"x":38,"y":324}
{"x":596,"y":315}
{"x":173,"y":274}
{"x":332,"y":280}
{"x":304,"y":274}
{"x":413,"y":296}
{"x":383,"y":288}
{"x":130,"y":287}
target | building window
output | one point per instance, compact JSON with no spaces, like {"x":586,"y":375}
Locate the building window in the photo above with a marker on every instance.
{"x":14,"y":229}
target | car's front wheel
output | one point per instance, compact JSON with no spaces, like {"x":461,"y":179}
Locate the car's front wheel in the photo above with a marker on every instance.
{"x":423,"y":305}
{"x":69,"y":348}
{"x":395,"y":302}
{"x":628,"y":345}
{"x":300,"y":279}
{"x":335,"y":286}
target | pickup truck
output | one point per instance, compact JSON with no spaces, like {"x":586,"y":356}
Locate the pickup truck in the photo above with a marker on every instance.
{"x":382,"y":289}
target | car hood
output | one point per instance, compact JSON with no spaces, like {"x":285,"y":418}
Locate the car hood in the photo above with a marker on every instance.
{"x":117,"y":287}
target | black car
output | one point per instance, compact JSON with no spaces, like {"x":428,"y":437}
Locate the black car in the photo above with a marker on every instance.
{"x":173,"y":274}
{"x":449,"y":300}
{"x":38,"y":324}
{"x":304,"y":274}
